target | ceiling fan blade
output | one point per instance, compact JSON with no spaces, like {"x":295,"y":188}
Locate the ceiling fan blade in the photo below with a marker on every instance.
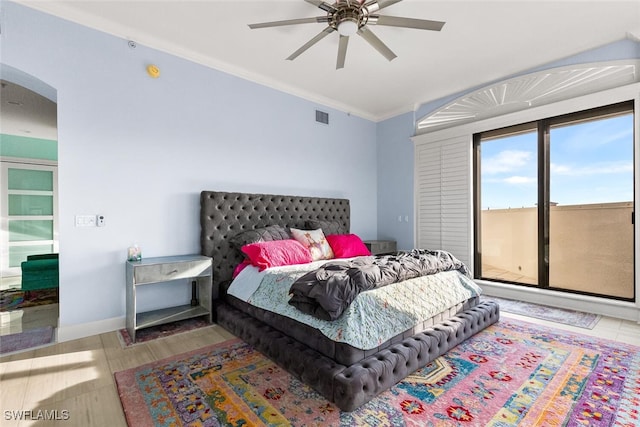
{"x":290,"y":22}
{"x":397,"y":21}
{"x":374,"y":41}
{"x":375,"y":5}
{"x":311,"y":42}
{"x":322,"y":5}
{"x":342,"y":51}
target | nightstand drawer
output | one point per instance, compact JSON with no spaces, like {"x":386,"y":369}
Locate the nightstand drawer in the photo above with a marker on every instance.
{"x":381,"y":246}
{"x":154,"y":273}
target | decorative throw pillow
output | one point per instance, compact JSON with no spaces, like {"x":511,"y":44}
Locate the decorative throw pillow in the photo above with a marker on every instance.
{"x":347,"y":245}
{"x":315,"y":242}
{"x":328,"y":227}
{"x":276,"y":253}
{"x":265,"y":234}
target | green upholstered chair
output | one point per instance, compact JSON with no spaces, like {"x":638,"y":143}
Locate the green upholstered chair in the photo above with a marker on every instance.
{"x":40,"y":272}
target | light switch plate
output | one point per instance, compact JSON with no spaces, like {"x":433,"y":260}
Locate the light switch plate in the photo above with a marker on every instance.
{"x":85,"y":220}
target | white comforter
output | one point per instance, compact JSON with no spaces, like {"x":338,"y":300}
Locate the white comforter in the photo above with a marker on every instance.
{"x":374,"y":317}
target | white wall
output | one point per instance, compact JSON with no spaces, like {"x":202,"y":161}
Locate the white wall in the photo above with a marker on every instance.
{"x":139,"y":151}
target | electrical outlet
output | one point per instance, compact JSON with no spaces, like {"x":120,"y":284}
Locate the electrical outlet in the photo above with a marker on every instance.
{"x":85,"y":220}
{"x":100,"y":220}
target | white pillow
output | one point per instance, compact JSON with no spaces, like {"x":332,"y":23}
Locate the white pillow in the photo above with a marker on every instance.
{"x":315,"y":241}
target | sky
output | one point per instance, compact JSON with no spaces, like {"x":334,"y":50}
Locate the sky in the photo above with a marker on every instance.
{"x":591,"y":162}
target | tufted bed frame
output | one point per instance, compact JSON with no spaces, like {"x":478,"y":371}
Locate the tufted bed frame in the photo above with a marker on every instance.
{"x":349,"y":384}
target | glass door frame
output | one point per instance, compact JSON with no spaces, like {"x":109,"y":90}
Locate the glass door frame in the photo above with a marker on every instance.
{"x":544,"y":173}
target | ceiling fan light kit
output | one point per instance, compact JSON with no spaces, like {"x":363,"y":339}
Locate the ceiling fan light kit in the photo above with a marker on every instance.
{"x":351,"y":17}
{"x":348,"y":28}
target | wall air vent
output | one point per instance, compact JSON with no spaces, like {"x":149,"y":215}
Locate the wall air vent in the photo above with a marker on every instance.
{"x":322,"y":117}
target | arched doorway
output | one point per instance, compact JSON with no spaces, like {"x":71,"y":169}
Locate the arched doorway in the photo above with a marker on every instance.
{"x":29,"y":278}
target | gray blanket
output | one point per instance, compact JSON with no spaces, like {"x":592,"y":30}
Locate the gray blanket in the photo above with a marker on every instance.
{"x":326,"y":292}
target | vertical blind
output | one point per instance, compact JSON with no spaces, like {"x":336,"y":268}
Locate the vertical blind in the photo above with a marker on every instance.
{"x":443,"y":196}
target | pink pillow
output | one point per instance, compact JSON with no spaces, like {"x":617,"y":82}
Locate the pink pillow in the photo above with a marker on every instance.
{"x":276,"y":253}
{"x":245,"y":262}
{"x":347,"y":245}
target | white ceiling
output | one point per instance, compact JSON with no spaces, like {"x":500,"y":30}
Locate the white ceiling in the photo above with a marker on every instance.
{"x":482,"y":41}
{"x":26,"y":113}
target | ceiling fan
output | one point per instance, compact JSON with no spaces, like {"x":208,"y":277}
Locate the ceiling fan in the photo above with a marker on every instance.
{"x":350,"y":17}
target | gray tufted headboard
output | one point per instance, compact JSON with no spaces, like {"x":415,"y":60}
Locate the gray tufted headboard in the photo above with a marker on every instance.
{"x":223,"y":215}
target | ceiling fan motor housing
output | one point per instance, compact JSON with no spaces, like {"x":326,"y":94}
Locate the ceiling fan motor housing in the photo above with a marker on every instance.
{"x":348,"y":12}
{"x":350,"y":17}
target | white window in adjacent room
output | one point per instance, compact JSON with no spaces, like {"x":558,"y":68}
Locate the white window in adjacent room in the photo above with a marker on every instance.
{"x":29,"y":213}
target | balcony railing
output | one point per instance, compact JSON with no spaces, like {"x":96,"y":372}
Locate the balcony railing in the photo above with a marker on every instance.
{"x":590,"y":247}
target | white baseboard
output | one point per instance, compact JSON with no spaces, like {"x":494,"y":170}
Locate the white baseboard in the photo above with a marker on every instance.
{"x":82,"y":330}
{"x":602,"y":306}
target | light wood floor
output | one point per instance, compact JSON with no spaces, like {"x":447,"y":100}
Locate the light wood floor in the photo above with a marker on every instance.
{"x":77,"y":376}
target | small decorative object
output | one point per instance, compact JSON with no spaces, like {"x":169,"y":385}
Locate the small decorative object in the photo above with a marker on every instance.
{"x":153,"y":71}
{"x":134,"y":253}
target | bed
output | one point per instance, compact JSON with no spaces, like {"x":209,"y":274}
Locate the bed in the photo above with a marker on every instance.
{"x":344,"y":374}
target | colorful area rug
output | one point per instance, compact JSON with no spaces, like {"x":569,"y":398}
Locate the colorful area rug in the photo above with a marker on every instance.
{"x":14,"y":299}
{"x":544,"y":312}
{"x":512,"y":373}
{"x":27,"y":339}
{"x":161,"y":331}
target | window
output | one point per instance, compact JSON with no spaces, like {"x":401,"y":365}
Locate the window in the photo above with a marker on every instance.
{"x":554,"y":203}
{"x":29,"y":212}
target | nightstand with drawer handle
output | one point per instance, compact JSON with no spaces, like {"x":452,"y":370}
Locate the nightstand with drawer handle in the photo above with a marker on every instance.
{"x":149,"y":271}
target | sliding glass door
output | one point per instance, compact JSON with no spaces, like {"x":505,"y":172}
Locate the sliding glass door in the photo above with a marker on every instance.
{"x":555,"y":203}
{"x":509,"y":190}
{"x":591,"y":214}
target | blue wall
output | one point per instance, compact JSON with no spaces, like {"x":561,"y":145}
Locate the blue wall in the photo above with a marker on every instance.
{"x":395,"y":180}
{"x":139,"y":151}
